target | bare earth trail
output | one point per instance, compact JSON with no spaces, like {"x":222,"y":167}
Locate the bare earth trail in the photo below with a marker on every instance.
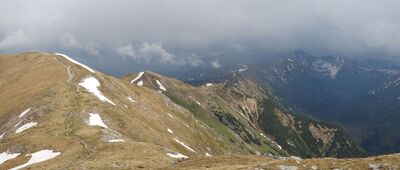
{"x":69,"y":121}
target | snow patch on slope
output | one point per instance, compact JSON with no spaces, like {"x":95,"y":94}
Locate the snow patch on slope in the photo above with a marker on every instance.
{"x":177,"y":155}
{"x":375,"y":166}
{"x":95,"y":120}
{"x":24,"y":112}
{"x":130,"y":99}
{"x":138,"y":77}
{"x":161,"y":86}
{"x":74,"y":61}
{"x":116,"y":140}
{"x":140,"y":83}
{"x":91,"y":85}
{"x":184,"y":145}
{"x":243,"y":69}
{"x":170,"y":131}
{"x":37,"y":157}
{"x":25,"y":127}
{"x":5,"y":156}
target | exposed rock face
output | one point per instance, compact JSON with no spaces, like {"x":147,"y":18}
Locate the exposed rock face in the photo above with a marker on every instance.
{"x":322,"y":133}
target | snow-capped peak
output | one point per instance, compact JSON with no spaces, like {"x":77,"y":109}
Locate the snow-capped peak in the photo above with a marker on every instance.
{"x":330,"y":68}
{"x":242,"y":69}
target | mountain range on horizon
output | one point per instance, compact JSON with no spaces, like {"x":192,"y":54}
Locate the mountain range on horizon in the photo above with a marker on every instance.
{"x":57,"y":113}
{"x":358,"y":94}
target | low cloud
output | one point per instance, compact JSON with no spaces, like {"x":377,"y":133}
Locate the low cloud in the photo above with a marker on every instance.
{"x":216,"y":64}
{"x":155,"y":52}
{"x":16,"y":39}
{"x":148,"y":52}
{"x":194,"y":60}
{"x":70,"y":42}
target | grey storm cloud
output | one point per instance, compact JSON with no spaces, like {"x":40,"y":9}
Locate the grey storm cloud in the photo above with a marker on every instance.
{"x":175,"y":31}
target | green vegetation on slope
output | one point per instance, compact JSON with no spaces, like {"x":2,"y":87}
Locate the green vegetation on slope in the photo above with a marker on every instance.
{"x":297,"y":138}
{"x":228,"y":126}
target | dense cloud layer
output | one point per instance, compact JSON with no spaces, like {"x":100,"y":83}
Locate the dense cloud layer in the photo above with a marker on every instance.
{"x":186,"y":32}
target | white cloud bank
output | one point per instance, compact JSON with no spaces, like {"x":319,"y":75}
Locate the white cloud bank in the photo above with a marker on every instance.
{"x":155,"y":52}
{"x":147,"y":52}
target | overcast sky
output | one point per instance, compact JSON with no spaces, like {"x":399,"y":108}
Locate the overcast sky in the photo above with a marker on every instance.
{"x":203,"y":32}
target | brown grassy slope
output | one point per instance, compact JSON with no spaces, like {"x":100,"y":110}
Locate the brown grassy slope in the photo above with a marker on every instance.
{"x":211,"y":100}
{"x":61,"y":108}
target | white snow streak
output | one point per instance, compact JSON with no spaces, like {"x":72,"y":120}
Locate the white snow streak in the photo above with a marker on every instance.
{"x":95,"y":120}
{"x":116,"y":140}
{"x":207,"y":154}
{"x":183,"y":144}
{"x":169,"y":115}
{"x":177,"y":155}
{"x":170,"y":131}
{"x":130,"y":99}
{"x":263,"y":135}
{"x":137,"y":77}
{"x":37,"y":157}
{"x":25,"y":127}
{"x":161,"y":86}
{"x":74,"y":61}
{"x":24,"y":112}
{"x":5,"y":156}
{"x":91,"y":85}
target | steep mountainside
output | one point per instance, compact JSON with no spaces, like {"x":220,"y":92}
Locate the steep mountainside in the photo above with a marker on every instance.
{"x":360,"y":95}
{"x":251,"y":112}
{"x":212,"y":110}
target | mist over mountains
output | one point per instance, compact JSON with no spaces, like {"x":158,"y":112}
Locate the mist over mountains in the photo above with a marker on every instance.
{"x":184,"y":84}
{"x":158,"y":35}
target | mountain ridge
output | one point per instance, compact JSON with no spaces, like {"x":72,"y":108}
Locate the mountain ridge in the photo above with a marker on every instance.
{"x":161,"y":122}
